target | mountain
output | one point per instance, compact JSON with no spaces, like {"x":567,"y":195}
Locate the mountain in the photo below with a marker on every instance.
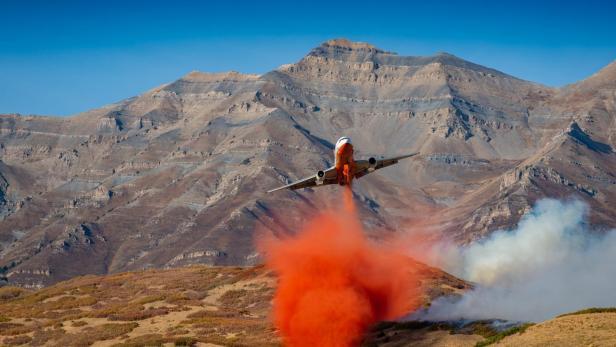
{"x":177,"y":175}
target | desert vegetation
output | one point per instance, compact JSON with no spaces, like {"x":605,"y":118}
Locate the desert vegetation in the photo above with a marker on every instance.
{"x":591,"y":310}
{"x":497,"y":336}
{"x":225,"y":306}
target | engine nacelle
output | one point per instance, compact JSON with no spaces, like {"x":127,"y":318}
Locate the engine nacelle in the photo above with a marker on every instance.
{"x":320,"y":175}
{"x":372,"y":164}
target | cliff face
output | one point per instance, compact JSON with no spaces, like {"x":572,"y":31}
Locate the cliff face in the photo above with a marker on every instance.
{"x":177,"y":175}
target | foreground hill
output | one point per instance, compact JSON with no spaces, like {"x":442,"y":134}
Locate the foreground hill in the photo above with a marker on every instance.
{"x":594,"y":327}
{"x":198,"y":304}
{"x":226,"y":306}
{"x":583,"y":329}
{"x":177,"y":175}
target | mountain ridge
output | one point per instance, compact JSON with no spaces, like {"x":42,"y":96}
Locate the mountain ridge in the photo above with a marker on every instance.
{"x":176,"y":175}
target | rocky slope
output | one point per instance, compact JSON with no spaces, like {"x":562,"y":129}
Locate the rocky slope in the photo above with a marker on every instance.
{"x":177,"y":175}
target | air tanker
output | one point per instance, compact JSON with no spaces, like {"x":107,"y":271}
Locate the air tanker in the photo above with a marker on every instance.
{"x":345,"y":168}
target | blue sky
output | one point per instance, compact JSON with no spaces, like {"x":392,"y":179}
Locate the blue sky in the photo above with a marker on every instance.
{"x":64,"y":57}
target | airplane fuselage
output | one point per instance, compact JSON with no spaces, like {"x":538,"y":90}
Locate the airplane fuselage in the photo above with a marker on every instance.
{"x":345,"y":168}
{"x":344,"y":162}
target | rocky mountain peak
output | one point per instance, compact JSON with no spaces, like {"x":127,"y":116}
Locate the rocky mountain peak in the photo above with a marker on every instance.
{"x":349,"y":52}
{"x":343,"y":43}
{"x":346,"y":50}
{"x":218,"y":76}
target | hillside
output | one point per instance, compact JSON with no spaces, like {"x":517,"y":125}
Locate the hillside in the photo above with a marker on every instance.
{"x":596,"y":329}
{"x":211,"y":306}
{"x":177,"y":175}
{"x":226,"y":306}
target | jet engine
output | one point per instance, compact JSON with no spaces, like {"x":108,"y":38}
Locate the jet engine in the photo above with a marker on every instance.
{"x":320,"y":176}
{"x":372,"y":163}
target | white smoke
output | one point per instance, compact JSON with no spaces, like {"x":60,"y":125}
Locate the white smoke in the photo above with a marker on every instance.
{"x":551,"y":264}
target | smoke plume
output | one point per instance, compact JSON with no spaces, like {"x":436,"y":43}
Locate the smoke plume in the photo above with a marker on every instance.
{"x":549,"y":265}
{"x":333,"y":283}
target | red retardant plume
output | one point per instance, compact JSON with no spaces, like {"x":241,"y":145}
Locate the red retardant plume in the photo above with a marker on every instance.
{"x":333,"y":283}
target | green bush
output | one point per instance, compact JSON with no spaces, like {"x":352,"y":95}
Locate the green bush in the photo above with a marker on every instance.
{"x":495,"y":338}
{"x":591,"y":310}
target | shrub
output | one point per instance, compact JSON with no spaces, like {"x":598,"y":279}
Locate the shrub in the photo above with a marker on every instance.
{"x":138,"y":314}
{"x":150,"y":298}
{"x":222,"y":313}
{"x":234,"y":297}
{"x":79,"y":323}
{"x":143,"y":341}
{"x":42,"y":336}
{"x":69,"y":302}
{"x":8,"y":293}
{"x":157,"y":340}
{"x":591,"y":310}
{"x":184,"y":341}
{"x":89,"y":335}
{"x":177,"y":298}
{"x":495,"y":338}
{"x":87,"y":289}
{"x":14,"y":329}
{"x":17,"y":340}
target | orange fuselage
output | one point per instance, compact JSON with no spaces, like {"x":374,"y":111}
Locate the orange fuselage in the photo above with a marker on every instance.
{"x":345,"y":164}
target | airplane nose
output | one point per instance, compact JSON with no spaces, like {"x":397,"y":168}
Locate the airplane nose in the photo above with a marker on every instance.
{"x":345,"y":148}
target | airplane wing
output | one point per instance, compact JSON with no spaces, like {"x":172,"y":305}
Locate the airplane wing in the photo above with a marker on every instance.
{"x":322,"y":177}
{"x":364,"y":167}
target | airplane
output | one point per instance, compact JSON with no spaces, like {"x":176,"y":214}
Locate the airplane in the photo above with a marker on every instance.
{"x":345,"y":168}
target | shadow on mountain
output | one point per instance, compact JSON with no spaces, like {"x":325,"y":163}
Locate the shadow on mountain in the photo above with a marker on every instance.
{"x":577,"y":133}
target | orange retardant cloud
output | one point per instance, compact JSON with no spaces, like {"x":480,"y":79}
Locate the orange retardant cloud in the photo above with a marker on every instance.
{"x":334,"y":283}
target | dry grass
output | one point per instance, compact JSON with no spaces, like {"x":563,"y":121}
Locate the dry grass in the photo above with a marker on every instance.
{"x":157,"y":340}
{"x":8,"y":293}
{"x":591,"y":310}
{"x":149,"y":299}
{"x":227,"y":306}
{"x":591,"y":329}
{"x":79,"y":323}
{"x":495,"y":338}
{"x":140,"y":309}
{"x":103,"y":332}
{"x":139,"y":314}
{"x":8,"y":329}
{"x":17,"y":340}
{"x":43,"y":336}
